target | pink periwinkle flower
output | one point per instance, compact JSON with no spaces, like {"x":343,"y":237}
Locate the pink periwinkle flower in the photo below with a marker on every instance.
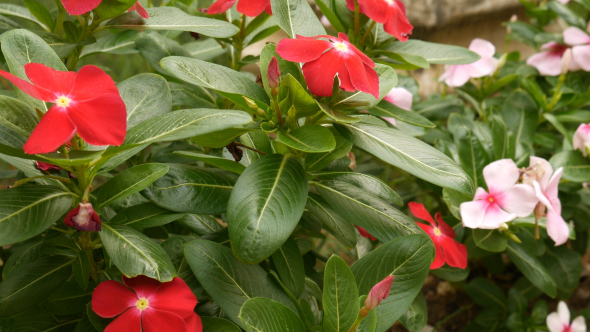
{"x":549,"y":61}
{"x":504,"y":201}
{"x":580,"y":42}
{"x":559,"y":321}
{"x":379,"y":293}
{"x":564,"y":1}
{"x":582,"y":138}
{"x":458,"y":75}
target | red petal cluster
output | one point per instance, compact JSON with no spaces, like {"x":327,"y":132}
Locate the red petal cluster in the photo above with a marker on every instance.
{"x":366,"y":234}
{"x":79,"y":7}
{"x":250,"y":8}
{"x":447,"y":249}
{"x":392,"y":13}
{"x":87,"y":103}
{"x":324,"y":59}
{"x":149,"y":306}
{"x":83,"y":219}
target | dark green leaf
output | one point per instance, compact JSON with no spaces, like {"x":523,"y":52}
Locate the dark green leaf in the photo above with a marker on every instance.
{"x":486,"y":294}
{"x":200,"y":224}
{"x":369,"y":183}
{"x":414,"y":319}
{"x":342,"y":229}
{"x":532,"y":268}
{"x":145,"y":215}
{"x":22,"y":13}
{"x":435,"y":53}
{"x":565,"y":267}
{"x":317,"y":161}
{"x":576,"y":167}
{"x":287,"y":259}
{"x":521,"y":115}
{"x":340,"y":299}
{"x":226,"y":164}
{"x":451,"y":274}
{"x":145,"y":96}
{"x":212,"y":324}
{"x":260,"y":314}
{"x":490,"y":239}
{"x":69,"y":299}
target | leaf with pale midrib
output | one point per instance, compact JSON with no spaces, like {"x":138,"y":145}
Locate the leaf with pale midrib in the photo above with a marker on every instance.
{"x":340,"y":298}
{"x":289,"y":264}
{"x":260,"y":314}
{"x":145,"y":96}
{"x":296,"y":17}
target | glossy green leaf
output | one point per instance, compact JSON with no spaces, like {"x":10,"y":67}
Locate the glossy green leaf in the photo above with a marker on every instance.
{"x":565,"y":267}
{"x":145,"y":96}
{"x":155,"y":46}
{"x":265,"y":206}
{"x":340,"y":298}
{"x":296,"y":17}
{"x":435,"y":53}
{"x":387,"y":109}
{"x":317,"y":161}
{"x":226,"y":164}
{"x":144,"y":216}
{"x":260,"y":314}
{"x":309,"y":138}
{"x":287,"y":259}
{"x":304,"y":103}
{"x":21,"y":12}
{"x":490,"y":239}
{"x":69,"y":299}
{"x":174,"y":247}
{"x":367,"y":182}
{"x":451,"y":274}
{"x":409,"y":154}
{"x":136,"y":254}
{"x":532,"y":268}
{"x":212,"y":324}
{"x":414,"y":319}
{"x":118,"y":43}
{"x":192,"y":189}
{"x":200,"y":224}
{"x":258,"y":140}
{"x":576,"y":167}
{"x":486,"y":294}
{"x":17,"y":121}
{"x":342,"y":229}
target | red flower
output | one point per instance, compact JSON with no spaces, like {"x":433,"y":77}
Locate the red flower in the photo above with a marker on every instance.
{"x":366,"y":234}
{"x":79,"y":7}
{"x":274,"y":73}
{"x":379,"y":293}
{"x":247,"y":7}
{"x":151,"y":306}
{"x":140,"y":10}
{"x":83,"y":219}
{"x":45,"y":166}
{"x":392,"y":13}
{"x":447,"y":249}
{"x":325,"y":59}
{"x":86,"y":102}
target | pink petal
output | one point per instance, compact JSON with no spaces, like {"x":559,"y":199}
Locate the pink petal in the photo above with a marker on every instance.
{"x":220,"y":6}
{"x":552,"y":190}
{"x":302,"y":49}
{"x":456,"y":76}
{"x":92,"y":82}
{"x":401,"y":98}
{"x":501,"y":175}
{"x":546,"y":167}
{"x":58,"y":82}
{"x":581,"y":138}
{"x":481,"y":193}
{"x":140,"y":10}
{"x":444,"y":227}
{"x":79,"y":7}
{"x":473,"y":213}
{"x":519,"y":200}
{"x":557,"y":228}
{"x":153,"y":320}
{"x":390,"y":120}
{"x":495,"y":216}
{"x":455,"y":252}
{"x":554,"y":323}
{"x":485,"y":66}
{"x":252,"y":7}
{"x":546,"y":63}
{"x":575,"y":36}
{"x":143,"y":286}
{"x":563,"y":312}
{"x":129,"y":321}
{"x":174,"y":296}
{"x":581,"y":56}
{"x":420,"y":212}
{"x":579,"y":324}
{"x":482,"y":47}
{"x":54,"y":130}
{"x":111,"y":298}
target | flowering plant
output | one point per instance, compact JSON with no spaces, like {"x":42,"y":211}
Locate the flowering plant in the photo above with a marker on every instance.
{"x":160,"y":179}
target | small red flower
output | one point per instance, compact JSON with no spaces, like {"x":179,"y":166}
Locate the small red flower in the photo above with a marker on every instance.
{"x":45,"y":166}
{"x":379,"y":293}
{"x":274,"y":73}
{"x":247,"y":7}
{"x":325,"y":59}
{"x":140,"y":10}
{"x":79,"y":7}
{"x":151,"y":306}
{"x":447,"y":249}
{"x":392,"y":13}
{"x":366,"y":234}
{"x":87,"y":102}
{"x":83,"y":219}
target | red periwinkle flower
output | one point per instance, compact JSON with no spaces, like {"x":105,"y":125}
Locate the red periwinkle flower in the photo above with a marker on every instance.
{"x":392,"y":13}
{"x":247,"y":7}
{"x":140,"y":10}
{"x":151,"y":306}
{"x":324,"y":59}
{"x":447,"y":249}
{"x":79,"y":7}
{"x":87,"y":102}
{"x":83,"y":219}
{"x":379,"y":293}
{"x":366,"y":234}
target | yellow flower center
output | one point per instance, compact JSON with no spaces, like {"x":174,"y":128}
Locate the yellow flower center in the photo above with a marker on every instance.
{"x":341,"y":47}
{"x":389,"y":2}
{"x":142,"y":304}
{"x":491,"y":200}
{"x":437,"y":231}
{"x":63,"y":101}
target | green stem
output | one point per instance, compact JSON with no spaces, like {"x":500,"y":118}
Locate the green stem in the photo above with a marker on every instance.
{"x":23,"y":181}
{"x":358,"y":321}
{"x":357,"y":18}
{"x":557,"y":95}
{"x":149,"y":3}
{"x":367,"y":32}
{"x":59,"y":22}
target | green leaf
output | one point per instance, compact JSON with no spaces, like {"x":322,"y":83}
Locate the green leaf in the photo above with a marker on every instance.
{"x":486,"y":294}
{"x":340,"y":298}
{"x":81,"y":269}
{"x":472,"y":155}
{"x":129,"y":182}
{"x":229,"y":282}
{"x":200,"y":224}
{"x":361,"y":100}
{"x":408,"y":259}
{"x":226,"y":164}
{"x":490,"y":239}
{"x":288,"y":69}
{"x":97,"y":322}
{"x":387,"y":109}
{"x":451,"y":274}
{"x":192,"y":96}
{"x":7,"y":24}
{"x":22,"y":254}
{"x":28,"y":211}
{"x":336,"y":115}
{"x":504,"y":141}
{"x":118,"y":43}
{"x":414,"y":319}
{"x":155,"y":46}
{"x":567,"y":14}
{"x":565,"y":266}
{"x":212,"y":324}
{"x":215,"y":77}
{"x":145,"y":96}
{"x":136,"y":254}
{"x":517,"y":303}
{"x":454,"y":200}
{"x":111,"y":8}
{"x":171,"y":18}
{"x":184,"y":124}
{"x":145,"y":215}
{"x":532,"y":268}
{"x":304,"y":104}
{"x":174,"y":247}
{"x":40,"y":12}
{"x":330,"y":14}
{"x":221,"y":138}
{"x":265,"y":206}
{"x":207,"y":49}
{"x":404,"y":60}
{"x":289,"y":264}
{"x":32,"y":284}
{"x":342,"y":229}
{"x":435,"y":53}
{"x":258,"y":140}
{"x":69,"y":299}
{"x":296,"y":17}
{"x":521,"y":115}
{"x":366,"y":210}
{"x":369,"y":183}
{"x":260,"y":314}
{"x":17,"y":121}
{"x":409,"y":154}
{"x":576,"y":167}
{"x":8,"y":9}
{"x":309,"y":138}
{"x":192,"y":189}
{"x":316,"y":161}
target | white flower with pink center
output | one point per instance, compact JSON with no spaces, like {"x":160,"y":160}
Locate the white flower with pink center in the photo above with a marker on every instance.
{"x":582,"y":138}
{"x":560,"y":321}
{"x":549,"y":61}
{"x":458,"y":75}
{"x":504,"y":201}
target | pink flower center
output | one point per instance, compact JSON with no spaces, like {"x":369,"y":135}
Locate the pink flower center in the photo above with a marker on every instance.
{"x":437,"y":231}
{"x":558,"y":50}
{"x":63,"y":101}
{"x":566,"y":328}
{"x":142,"y":304}
{"x":491,"y":199}
{"x":340,"y":47}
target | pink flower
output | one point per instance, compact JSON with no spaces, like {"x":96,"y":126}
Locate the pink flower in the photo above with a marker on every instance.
{"x":548,"y":62}
{"x":582,"y":138}
{"x":458,"y":75}
{"x":580,"y":40}
{"x":366,"y":234}
{"x":274,"y":73}
{"x":79,"y":7}
{"x":151,"y":306}
{"x":447,"y":249}
{"x":401,"y":98}
{"x":140,"y":10}
{"x":379,"y":293}
{"x":560,"y":321}
{"x":83,"y":218}
{"x":247,"y":7}
{"x":392,"y":13}
{"x":546,"y":184}
{"x":564,"y":1}
{"x":504,"y":201}
{"x":324,"y":59}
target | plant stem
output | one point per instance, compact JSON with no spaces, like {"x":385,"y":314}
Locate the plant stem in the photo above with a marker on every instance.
{"x":557,"y":95}
{"x":60,"y":18}
{"x":359,"y":319}
{"x":23,"y":181}
{"x":357,"y":18}
{"x":367,"y":32}
{"x":250,"y":148}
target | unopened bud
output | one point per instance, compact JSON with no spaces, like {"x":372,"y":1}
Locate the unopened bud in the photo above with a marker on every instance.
{"x":274,"y":73}
{"x":513,"y":19}
{"x":250,"y":103}
{"x":502,"y":61}
{"x":566,"y":61}
{"x":379,"y":293}
{"x":83,"y":219}
{"x":261,"y":112}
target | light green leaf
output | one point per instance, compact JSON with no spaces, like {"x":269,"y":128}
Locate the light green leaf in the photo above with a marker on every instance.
{"x":309,"y":138}
{"x":260,"y":314}
{"x":207,"y":49}
{"x":369,"y":183}
{"x":296,"y":17}
{"x":155,"y":46}
{"x":118,"y":43}
{"x":576,"y":167}
{"x":387,"y":109}
{"x":362,"y":100}
{"x":340,"y":298}
{"x":145,"y":96}
{"x":21,"y":12}
{"x":435,"y":53}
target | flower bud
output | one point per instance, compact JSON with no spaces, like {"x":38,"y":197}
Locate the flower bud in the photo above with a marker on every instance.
{"x":83,"y":219}
{"x":274,"y":73}
{"x":582,"y":138}
{"x":45,"y":166}
{"x":566,"y":61}
{"x":379,"y":293}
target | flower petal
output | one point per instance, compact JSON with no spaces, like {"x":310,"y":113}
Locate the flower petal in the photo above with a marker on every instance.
{"x":363,"y":232}
{"x":54,"y":130}
{"x":552,"y":190}
{"x":455,"y":252}
{"x":377,"y":10}
{"x":174,"y":296}
{"x":547,"y":63}
{"x":153,"y":320}
{"x":252,"y":7}
{"x":519,"y":200}
{"x":456,"y":76}
{"x":79,"y":7}
{"x":420,"y":212}
{"x":397,"y":23}
{"x":485,"y":66}
{"x":557,"y":228}
{"x":554,"y":323}
{"x":473,"y":213}
{"x":495,"y":216}
{"x":319,"y":74}
{"x":544,"y":166}
{"x":444,"y":227}
{"x":220,"y":6}
{"x":439,"y":259}
{"x":581,"y":137}
{"x":573,"y":36}
{"x":143,"y":286}
{"x":100,"y":121}
{"x":501,"y":175}
{"x":140,"y":10}
{"x":129,"y":321}
{"x":427,"y":229}
{"x":302,"y":49}
{"x":401,"y":98}
{"x":358,"y":76}
{"x":578,"y":324}
{"x":55,"y":81}
{"x":193,"y":323}
{"x":111,"y":298}
{"x":581,"y":56}
{"x":92,"y":82}
{"x":564,"y":313}
{"x":482,"y":47}
{"x":28,"y":88}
